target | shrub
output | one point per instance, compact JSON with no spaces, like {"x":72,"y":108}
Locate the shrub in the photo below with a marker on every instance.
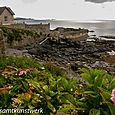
{"x":19,"y":62}
{"x":35,"y":88}
{"x":28,"y":85}
{"x":96,"y":92}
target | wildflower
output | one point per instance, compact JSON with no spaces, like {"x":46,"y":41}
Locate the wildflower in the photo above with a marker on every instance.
{"x":25,"y":69}
{"x":14,"y":72}
{"x":10,"y":87}
{"x":27,"y":95}
{"x":42,"y":68}
{"x":1,"y":71}
{"x":113,"y":92}
{"x":22,"y":73}
{"x":113,"y":96}
{"x":6,"y":73}
{"x":30,"y":69}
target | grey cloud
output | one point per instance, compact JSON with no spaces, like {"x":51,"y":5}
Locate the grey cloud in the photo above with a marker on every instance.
{"x":99,"y":1}
{"x":29,"y":1}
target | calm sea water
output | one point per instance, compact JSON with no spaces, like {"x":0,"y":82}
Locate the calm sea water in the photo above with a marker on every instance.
{"x":105,"y":27}
{"x":100,"y":27}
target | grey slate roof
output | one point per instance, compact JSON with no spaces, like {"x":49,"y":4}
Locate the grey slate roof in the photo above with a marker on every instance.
{"x":3,"y":8}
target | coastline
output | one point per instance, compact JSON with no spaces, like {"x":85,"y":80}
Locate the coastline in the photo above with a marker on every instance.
{"x":68,"y":48}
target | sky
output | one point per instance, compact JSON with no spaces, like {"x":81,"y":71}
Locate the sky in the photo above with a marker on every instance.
{"x":63,"y":9}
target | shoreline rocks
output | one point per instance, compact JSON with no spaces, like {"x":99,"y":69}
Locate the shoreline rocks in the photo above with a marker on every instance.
{"x":70,"y":54}
{"x":77,"y":54}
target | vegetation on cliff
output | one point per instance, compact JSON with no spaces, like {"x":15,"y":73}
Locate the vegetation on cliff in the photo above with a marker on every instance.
{"x":26,"y":84}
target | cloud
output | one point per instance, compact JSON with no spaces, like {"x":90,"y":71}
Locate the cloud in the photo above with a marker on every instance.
{"x":99,"y":1}
{"x":29,"y":1}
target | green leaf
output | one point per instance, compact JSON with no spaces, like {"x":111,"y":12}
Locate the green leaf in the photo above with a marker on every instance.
{"x":35,"y":71}
{"x":112,"y":108}
{"x":80,"y":104}
{"x":51,"y":107}
{"x":25,"y":85}
{"x":105,"y":94}
{"x":87,"y":78}
{"x":34,"y":84}
{"x":13,"y":93}
{"x":70,"y":98}
{"x":63,"y":100}
{"x":84,"y":70}
{"x":98,"y":80}
{"x":64,"y":83}
{"x":89,"y":92}
{"x":94,"y":112}
{"x":51,"y":93}
{"x":109,"y":77}
{"x":112,"y":84}
{"x":67,"y":108}
{"x":16,"y":87}
{"x":30,"y":106}
{"x":45,"y":87}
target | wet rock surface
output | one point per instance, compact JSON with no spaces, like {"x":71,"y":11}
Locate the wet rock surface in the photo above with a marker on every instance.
{"x":72,"y":55}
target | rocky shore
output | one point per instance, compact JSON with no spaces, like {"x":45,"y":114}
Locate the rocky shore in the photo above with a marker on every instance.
{"x":73,"y":55}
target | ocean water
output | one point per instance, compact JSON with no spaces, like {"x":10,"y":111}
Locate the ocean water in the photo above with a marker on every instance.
{"x":100,"y":28}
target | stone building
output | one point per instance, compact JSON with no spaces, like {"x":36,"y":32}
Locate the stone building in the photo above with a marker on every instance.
{"x":6,"y":16}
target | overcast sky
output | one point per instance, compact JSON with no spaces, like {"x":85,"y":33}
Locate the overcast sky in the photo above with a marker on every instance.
{"x":62,"y":9}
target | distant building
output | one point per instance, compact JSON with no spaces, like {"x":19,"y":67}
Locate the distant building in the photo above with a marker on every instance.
{"x":6,"y":16}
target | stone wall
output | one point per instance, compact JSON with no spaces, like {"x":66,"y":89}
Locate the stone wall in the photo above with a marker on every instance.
{"x":76,"y":35}
{"x":70,"y":33}
{"x":27,"y":41}
{"x":19,"y":38}
{"x":38,"y":27}
{"x":20,"y":26}
{"x":2,"y":43}
{"x":34,"y":27}
{"x":21,"y":35}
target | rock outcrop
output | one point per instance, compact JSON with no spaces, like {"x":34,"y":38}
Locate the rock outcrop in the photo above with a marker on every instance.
{"x":76,"y":54}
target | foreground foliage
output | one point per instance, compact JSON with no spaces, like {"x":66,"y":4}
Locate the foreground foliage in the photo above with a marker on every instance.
{"x":24,"y":83}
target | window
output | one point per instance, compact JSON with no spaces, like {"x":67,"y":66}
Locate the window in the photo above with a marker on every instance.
{"x":5,"y":18}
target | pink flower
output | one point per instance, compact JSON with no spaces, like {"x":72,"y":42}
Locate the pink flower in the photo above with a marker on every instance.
{"x":113,"y":96}
{"x":113,"y":93}
{"x":22,"y":73}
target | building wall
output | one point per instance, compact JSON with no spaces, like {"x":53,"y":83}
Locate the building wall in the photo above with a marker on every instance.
{"x":10,"y":19}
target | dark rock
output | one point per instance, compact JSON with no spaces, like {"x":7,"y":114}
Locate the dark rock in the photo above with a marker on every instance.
{"x":33,"y":51}
{"x":79,"y":54}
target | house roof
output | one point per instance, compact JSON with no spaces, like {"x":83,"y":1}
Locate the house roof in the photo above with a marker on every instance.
{"x":3,"y":8}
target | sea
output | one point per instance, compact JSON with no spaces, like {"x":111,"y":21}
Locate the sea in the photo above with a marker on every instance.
{"x":100,"y":27}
